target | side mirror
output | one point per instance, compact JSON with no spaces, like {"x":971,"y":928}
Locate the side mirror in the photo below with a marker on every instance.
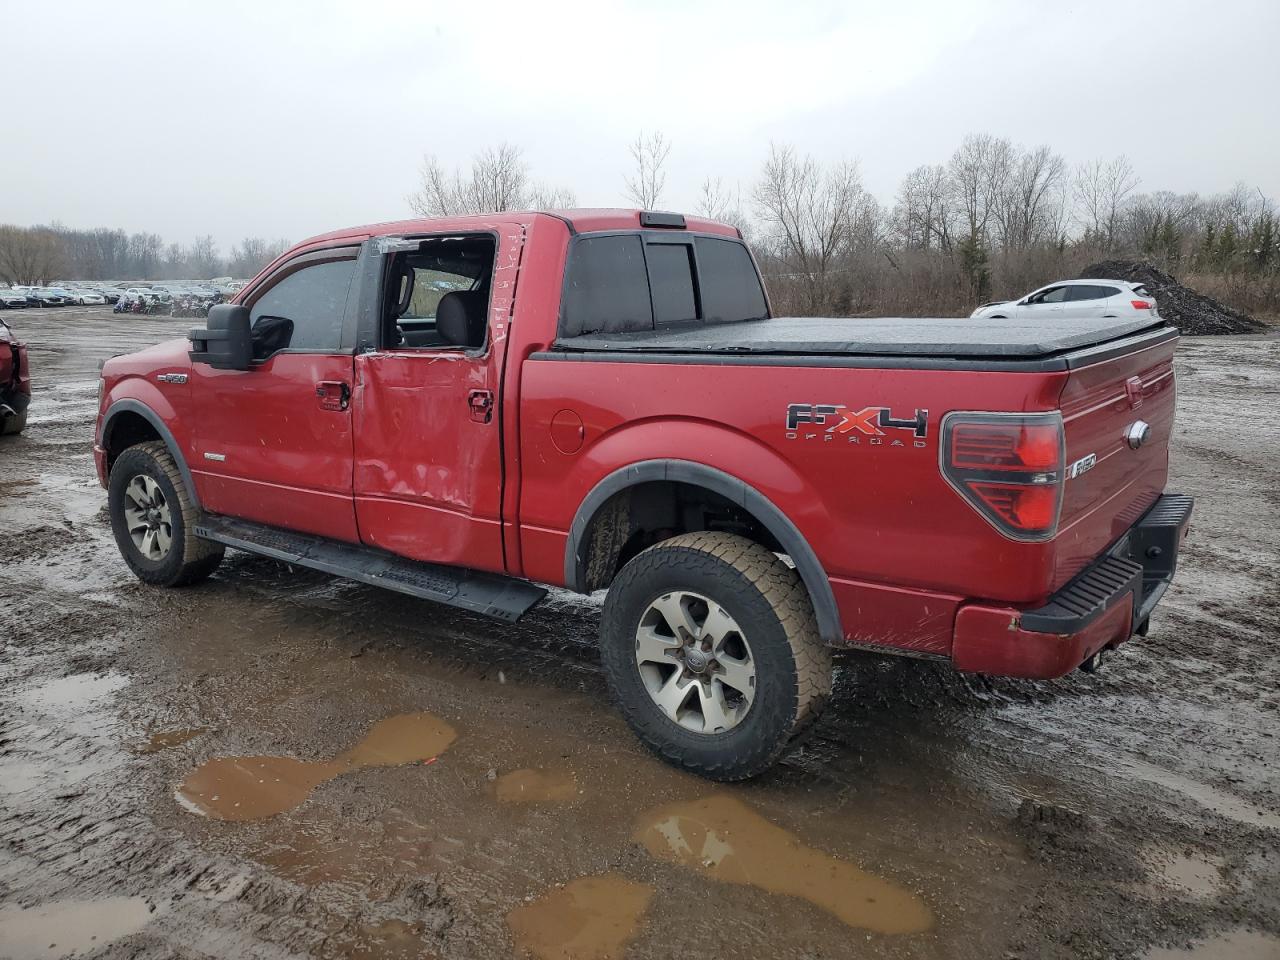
{"x":226,"y":343}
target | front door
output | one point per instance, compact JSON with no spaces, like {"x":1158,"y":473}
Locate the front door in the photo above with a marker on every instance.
{"x":428,"y":456}
{"x":273,"y":443}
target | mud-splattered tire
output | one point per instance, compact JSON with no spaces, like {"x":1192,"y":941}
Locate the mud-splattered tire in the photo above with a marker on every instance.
{"x":148,"y":471}
{"x":773,"y":630}
{"x":12,"y":425}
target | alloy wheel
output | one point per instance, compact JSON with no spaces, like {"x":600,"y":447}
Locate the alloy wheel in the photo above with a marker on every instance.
{"x":695,"y":662}
{"x":148,"y":518}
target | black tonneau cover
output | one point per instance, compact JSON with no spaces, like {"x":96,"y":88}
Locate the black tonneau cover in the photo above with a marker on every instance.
{"x":881,"y":336}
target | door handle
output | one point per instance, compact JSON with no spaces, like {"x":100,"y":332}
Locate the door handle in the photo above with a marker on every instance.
{"x":481,"y":404}
{"x":333,"y":394}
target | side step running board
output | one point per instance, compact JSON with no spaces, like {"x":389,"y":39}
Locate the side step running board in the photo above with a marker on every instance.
{"x":504,"y":598}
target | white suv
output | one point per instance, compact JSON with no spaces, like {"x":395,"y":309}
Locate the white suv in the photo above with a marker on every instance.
{"x":1075,"y":298}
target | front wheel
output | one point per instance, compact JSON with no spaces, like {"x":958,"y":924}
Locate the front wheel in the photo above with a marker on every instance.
{"x":152,"y":517}
{"x":711,"y":651}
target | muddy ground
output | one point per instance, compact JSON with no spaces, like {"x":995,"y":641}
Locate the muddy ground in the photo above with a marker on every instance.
{"x":277,"y":764}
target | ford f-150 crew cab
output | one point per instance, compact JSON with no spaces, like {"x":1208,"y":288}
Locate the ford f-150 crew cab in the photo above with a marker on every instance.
{"x":465,"y":409}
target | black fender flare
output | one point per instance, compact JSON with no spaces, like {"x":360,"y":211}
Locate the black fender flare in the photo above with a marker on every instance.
{"x":731,"y":488}
{"x":137,"y":406}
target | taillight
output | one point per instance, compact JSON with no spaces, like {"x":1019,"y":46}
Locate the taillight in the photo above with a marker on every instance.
{"x":1140,"y":304}
{"x":1009,"y":467}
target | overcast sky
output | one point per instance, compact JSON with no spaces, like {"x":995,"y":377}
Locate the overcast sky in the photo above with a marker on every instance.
{"x":285,"y":120}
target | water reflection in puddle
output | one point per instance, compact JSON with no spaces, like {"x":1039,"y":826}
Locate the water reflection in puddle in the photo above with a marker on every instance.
{"x":69,"y":694}
{"x":250,"y":788}
{"x":1239,"y":945}
{"x":591,"y":918}
{"x":1219,"y":801}
{"x":1188,"y":874}
{"x":726,"y":840}
{"x":537,"y":786}
{"x":61,"y":929}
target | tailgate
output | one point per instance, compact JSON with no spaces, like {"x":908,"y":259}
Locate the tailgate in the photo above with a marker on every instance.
{"x":1114,"y":480}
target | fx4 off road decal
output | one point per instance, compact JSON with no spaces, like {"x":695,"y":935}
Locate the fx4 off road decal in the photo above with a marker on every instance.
{"x":830,"y":422}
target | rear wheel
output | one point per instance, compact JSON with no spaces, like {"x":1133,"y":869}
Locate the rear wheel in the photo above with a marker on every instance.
{"x":712,"y":652}
{"x":152,"y":517}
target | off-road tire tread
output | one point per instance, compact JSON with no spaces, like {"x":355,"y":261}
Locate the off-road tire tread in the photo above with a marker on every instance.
{"x":200,"y":557}
{"x":781,"y":587}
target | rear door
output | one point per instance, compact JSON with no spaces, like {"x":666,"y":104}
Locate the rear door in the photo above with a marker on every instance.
{"x":273,"y":443}
{"x":1086,"y":300}
{"x":428,"y":472}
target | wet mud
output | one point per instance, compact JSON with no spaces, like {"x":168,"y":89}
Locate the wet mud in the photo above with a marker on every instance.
{"x":537,"y":786}
{"x":415,"y":781}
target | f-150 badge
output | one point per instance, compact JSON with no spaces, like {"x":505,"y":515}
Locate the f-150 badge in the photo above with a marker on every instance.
{"x":832,"y":421}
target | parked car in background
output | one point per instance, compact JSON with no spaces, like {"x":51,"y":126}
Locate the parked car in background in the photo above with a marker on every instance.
{"x":50,"y":297}
{"x":12,"y":299}
{"x":15,"y":382}
{"x":33,"y":298}
{"x":87,"y":298}
{"x":1068,"y":299}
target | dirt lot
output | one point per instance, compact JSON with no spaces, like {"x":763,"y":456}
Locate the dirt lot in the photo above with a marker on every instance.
{"x":276,"y":764}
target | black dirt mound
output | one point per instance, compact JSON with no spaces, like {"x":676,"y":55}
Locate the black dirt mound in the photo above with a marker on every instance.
{"x":1192,"y":313}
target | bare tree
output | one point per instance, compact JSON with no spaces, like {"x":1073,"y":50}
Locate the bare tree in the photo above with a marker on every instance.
{"x":1030,"y":206}
{"x":543,"y":197}
{"x":921,"y":217}
{"x":253,"y":254}
{"x":979,"y":172}
{"x":810,"y":214}
{"x":30,"y":255}
{"x":645,"y":186}
{"x":1100,"y":190}
{"x":718,"y":202}
{"x":498,"y":180}
{"x":203,"y":259}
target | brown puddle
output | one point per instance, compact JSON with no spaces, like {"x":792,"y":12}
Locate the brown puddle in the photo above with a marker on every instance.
{"x":60,"y":929}
{"x":591,"y":918}
{"x":537,"y":786}
{"x":250,"y":788}
{"x":727,"y":840}
{"x":170,"y":738}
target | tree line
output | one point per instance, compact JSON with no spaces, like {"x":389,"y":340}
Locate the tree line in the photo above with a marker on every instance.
{"x":992,"y":220}
{"x":38,"y":255}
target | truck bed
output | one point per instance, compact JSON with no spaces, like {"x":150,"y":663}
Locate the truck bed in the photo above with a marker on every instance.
{"x":884,"y":337}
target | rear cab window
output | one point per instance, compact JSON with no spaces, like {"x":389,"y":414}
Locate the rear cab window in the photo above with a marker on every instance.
{"x":635,"y":282}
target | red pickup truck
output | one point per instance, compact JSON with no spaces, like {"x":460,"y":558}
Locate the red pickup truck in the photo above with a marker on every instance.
{"x":15,"y":382}
{"x":463,"y":409}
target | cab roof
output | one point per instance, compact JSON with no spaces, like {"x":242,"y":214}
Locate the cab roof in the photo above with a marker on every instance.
{"x":579,"y":220}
